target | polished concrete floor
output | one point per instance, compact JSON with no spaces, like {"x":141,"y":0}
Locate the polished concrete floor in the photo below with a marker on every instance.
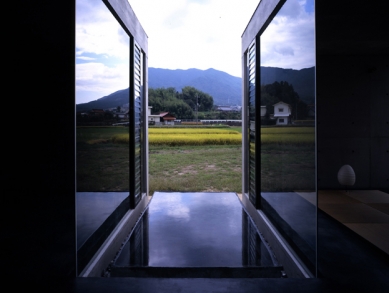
{"x":195,"y":234}
{"x":347,"y":262}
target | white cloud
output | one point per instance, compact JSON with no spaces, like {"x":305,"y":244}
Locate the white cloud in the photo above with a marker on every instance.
{"x":86,"y":58}
{"x":180,"y":212}
{"x":172,"y":204}
{"x":95,"y":80}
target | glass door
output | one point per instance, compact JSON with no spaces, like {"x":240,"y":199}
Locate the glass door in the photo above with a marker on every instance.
{"x":111,"y":100}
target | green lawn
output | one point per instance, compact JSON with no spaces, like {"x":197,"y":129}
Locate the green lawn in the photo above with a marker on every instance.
{"x":103,"y":165}
{"x":196,"y":168}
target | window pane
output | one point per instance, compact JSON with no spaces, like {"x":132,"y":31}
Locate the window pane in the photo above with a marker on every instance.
{"x":102,"y":134}
{"x":288,"y":181}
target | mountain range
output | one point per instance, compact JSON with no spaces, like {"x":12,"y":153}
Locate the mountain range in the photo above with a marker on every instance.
{"x":223,"y":87}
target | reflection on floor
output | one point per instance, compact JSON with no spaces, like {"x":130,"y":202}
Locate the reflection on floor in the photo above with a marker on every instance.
{"x":366,"y":212}
{"x":197,"y":235}
{"x":93,"y":208}
{"x":295,"y":219}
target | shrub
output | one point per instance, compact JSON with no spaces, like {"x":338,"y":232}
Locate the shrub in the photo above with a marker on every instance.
{"x":192,"y":123}
{"x":120,"y":138}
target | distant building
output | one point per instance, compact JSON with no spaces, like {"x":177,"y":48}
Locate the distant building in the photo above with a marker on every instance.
{"x":282,"y":112}
{"x":153,"y":119}
{"x":97,"y":112}
{"x":167,"y":118}
{"x":161,"y":118}
{"x":229,"y":108}
{"x":122,"y":115}
{"x":263,"y":111}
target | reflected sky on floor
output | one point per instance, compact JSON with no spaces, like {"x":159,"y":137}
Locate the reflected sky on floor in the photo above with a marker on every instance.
{"x":194,"y":230}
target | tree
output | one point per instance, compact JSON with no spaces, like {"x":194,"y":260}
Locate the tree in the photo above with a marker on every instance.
{"x":182,"y":105}
{"x":192,"y":95}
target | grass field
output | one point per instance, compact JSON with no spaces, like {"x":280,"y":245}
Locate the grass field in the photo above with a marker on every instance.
{"x":195,"y":168}
{"x":287,"y":167}
{"x":287,"y":159}
{"x":101,"y":164}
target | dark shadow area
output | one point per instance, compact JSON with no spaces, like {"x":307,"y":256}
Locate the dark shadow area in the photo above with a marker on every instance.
{"x":345,"y":257}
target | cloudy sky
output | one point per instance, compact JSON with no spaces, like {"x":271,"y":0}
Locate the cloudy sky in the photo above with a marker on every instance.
{"x":197,"y":33}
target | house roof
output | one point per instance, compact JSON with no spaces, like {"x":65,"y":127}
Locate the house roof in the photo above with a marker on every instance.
{"x":281,"y":102}
{"x":167,"y":116}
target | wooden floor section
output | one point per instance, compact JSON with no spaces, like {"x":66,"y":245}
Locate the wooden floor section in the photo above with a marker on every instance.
{"x":366,"y":212}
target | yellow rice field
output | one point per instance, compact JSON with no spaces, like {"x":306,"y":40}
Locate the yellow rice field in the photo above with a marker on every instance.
{"x":288,"y":135}
{"x":164,"y":131}
{"x":288,"y":130}
{"x":204,"y":136}
{"x":194,"y":136}
{"x":196,"y":139}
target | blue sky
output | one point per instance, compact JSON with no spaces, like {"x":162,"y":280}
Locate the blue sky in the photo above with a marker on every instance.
{"x":182,"y":34}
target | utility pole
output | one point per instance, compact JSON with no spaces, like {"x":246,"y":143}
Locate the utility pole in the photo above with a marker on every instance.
{"x":197,"y":106}
{"x":297,"y":101}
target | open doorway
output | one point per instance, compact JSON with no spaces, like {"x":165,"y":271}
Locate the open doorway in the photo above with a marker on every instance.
{"x":218,"y":149}
{"x":194,"y":78}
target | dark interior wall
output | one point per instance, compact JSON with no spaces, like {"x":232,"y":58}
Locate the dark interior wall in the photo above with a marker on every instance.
{"x":38,"y":234}
{"x":353,"y":106}
{"x":352,"y":83}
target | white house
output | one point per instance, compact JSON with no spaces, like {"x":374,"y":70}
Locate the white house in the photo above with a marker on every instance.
{"x":153,"y":119}
{"x":282,"y":112}
{"x":263,"y":111}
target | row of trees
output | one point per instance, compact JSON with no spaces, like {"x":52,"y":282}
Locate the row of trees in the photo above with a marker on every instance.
{"x":180,"y":104}
{"x":220,"y":115}
{"x":183,"y":104}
